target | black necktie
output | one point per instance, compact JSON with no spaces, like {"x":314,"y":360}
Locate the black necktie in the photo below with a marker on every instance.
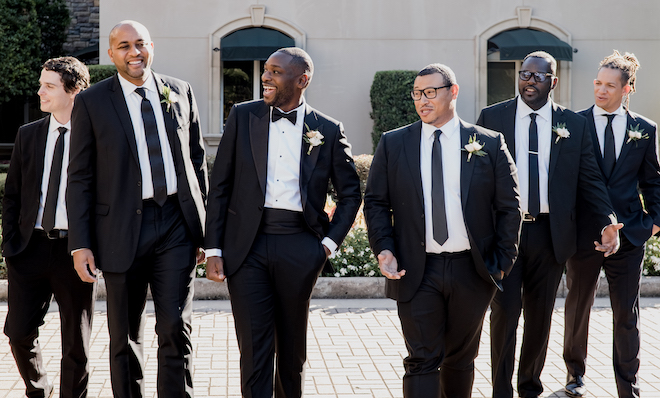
{"x":534,"y":204}
{"x":278,"y":114}
{"x":440,"y":233}
{"x":609,"y":157}
{"x":153,"y":145}
{"x":48,"y":221}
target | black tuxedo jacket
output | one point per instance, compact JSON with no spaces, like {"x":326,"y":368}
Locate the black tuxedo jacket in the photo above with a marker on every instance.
{"x":394,"y":205}
{"x":238,"y":181}
{"x":573,"y":170}
{"x":636,"y":171}
{"x":23,"y":186}
{"x":104,"y":194}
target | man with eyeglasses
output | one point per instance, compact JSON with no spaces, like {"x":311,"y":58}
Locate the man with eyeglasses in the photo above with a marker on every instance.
{"x":557,"y":168}
{"x":443,"y":214}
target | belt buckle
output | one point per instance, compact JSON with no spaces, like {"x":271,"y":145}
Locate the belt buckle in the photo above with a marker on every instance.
{"x":56,"y":234}
{"x":528,"y":218}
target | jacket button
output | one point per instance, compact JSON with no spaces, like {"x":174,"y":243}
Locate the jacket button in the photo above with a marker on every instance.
{"x":139,"y":183}
{"x":260,"y":208}
{"x":422,"y":243}
{"x":138,"y":211}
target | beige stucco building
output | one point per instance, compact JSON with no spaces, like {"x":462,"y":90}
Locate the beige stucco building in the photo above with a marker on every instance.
{"x":350,"y":40}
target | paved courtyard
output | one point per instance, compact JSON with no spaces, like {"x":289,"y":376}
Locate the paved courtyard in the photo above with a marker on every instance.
{"x":355,"y":350}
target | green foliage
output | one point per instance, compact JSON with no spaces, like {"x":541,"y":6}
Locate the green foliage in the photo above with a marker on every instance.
{"x":53,"y":19}
{"x":651,"y":265}
{"x":391,"y":104}
{"x":20,"y":39}
{"x":100,"y":72}
{"x":354,"y":257}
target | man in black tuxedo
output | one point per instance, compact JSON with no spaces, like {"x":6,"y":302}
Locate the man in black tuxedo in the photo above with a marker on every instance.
{"x":555,"y":161}
{"x":34,"y":232}
{"x":266,"y":230}
{"x":443,"y":215}
{"x":136,"y":195}
{"x":629,"y":165}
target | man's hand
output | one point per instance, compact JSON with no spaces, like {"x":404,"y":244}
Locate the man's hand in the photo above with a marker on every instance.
{"x":610,"y":239}
{"x":215,"y":269}
{"x":83,"y":262}
{"x":389,"y":266}
{"x":655,"y":230}
{"x":327,"y":251}
{"x":200,"y":256}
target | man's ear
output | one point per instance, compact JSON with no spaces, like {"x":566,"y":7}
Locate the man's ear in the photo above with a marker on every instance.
{"x":303,"y":81}
{"x":554,"y":82}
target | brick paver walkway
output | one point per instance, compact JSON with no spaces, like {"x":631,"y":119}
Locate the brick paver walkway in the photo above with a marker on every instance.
{"x":355,"y":350}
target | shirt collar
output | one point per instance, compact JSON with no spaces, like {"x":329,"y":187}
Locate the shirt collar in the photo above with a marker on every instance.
{"x":598,"y":111}
{"x":128,"y":87}
{"x":53,"y":124}
{"x":300,"y":109}
{"x":524,"y":110}
{"x":448,"y":129}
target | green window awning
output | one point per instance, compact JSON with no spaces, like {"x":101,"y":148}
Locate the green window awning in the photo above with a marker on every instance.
{"x":516,"y":44}
{"x":253,"y":44}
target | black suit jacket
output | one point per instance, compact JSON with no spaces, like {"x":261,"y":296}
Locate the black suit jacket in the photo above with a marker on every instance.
{"x":573,"y":169}
{"x":238,"y":181}
{"x":104,"y":194}
{"x":636,"y":171}
{"x":23,"y":186}
{"x":394,"y":205}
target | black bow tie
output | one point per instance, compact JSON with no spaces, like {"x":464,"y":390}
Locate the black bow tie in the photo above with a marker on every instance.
{"x":278,"y":114}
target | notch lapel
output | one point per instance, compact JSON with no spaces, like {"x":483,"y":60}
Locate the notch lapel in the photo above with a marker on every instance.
{"x":259,"y":125}
{"x":411,"y":148}
{"x":591,"y":125}
{"x":555,"y":147}
{"x":467,"y":168}
{"x":40,"y":148}
{"x":170,"y":118}
{"x":119,"y":103}
{"x":308,"y":162}
{"x":508,"y":117}
{"x":630,"y":121}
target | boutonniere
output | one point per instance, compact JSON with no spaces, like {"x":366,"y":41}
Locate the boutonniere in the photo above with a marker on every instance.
{"x":473,"y":147}
{"x":313,"y":137}
{"x":169,"y":97}
{"x":635,"y":133}
{"x":561,"y":131}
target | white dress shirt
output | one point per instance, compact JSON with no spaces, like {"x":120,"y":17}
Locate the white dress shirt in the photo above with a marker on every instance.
{"x":450,"y":139}
{"x":283,"y":173}
{"x":545,"y":142}
{"x":61,"y":221}
{"x":134,"y":104}
{"x":618,"y":128}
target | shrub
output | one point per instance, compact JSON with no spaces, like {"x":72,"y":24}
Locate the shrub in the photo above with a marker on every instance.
{"x":651,"y":265}
{"x":100,"y":72}
{"x":391,"y":104}
{"x":354,"y":257}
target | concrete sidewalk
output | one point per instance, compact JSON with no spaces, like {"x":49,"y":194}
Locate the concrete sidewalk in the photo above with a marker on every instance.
{"x":355,"y":349}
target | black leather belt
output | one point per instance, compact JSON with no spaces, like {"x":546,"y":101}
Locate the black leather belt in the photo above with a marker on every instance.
{"x":528,"y":217}
{"x":54,"y":234}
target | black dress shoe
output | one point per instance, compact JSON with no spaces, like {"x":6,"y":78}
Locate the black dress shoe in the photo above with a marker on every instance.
{"x":575,"y":387}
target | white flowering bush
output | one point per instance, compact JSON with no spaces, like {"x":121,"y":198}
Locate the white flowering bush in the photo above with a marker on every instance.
{"x":651,"y":265}
{"x":354,"y":257}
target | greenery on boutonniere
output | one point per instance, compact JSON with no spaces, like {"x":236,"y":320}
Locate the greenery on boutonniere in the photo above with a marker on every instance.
{"x":169,"y":97}
{"x":635,"y":133}
{"x":561,"y":131}
{"x":313,"y":137}
{"x":473,"y":147}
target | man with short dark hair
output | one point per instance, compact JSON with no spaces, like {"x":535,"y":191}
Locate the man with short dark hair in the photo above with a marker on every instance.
{"x":443,"y":214}
{"x":267,"y":230}
{"x":626,"y":145}
{"x":557,"y":169}
{"x":34,"y":231}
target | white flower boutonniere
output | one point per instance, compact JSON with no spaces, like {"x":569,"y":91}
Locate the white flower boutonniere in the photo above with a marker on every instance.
{"x":561,"y":131}
{"x":169,"y":97}
{"x":473,"y":147}
{"x":635,"y":133}
{"x":313,"y":137}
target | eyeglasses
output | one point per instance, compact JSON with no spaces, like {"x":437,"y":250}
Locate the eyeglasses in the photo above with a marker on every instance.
{"x":429,"y":93}
{"x":538,"y":76}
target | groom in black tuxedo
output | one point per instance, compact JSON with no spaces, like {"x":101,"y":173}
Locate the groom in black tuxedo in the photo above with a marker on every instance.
{"x":267,"y":232}
{"x":557,"y":168}
{"x":136,"y":196}
{"x":443,"y":213}
{"x":629,"y":164}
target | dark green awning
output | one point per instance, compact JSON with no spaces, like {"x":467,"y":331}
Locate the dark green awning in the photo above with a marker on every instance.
{"x":253,"y":44}
{"x":516,"y":44}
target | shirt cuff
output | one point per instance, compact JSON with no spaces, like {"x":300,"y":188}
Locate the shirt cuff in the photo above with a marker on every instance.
{"x":213,"y":252}
{"x":77,"y":250}
{"x":330,"y":244}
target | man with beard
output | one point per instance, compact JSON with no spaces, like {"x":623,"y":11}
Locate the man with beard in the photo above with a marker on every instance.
{"x":266,"y":230}
{"x":556,"y":165}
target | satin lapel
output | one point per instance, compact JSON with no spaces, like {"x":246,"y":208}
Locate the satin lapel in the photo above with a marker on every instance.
{"x":308,"y":162}
{"x":509,"y":126}
{"x":555,"y":146}
{"x":411,"y":148}
{"x":467,"y":168}
{"x":591,"y":125}
{"x":259,"y":125}
{"x":630,"y":121}
{"x":171,"y":123}
{"x":119,"y":103}
{"x":40,"y":149}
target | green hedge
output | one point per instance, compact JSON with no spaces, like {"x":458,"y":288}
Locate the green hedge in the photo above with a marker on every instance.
{"x":100,"y":72}
{"x":391,"y":104}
